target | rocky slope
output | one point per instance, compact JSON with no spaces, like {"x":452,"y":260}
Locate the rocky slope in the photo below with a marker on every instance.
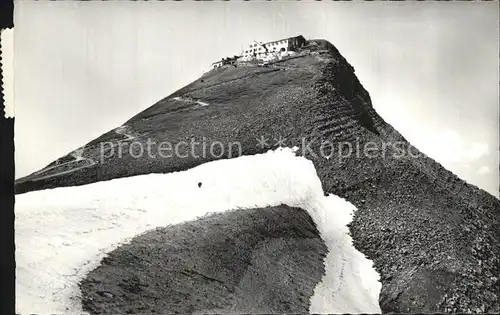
{"x":214,"y":269}
{"x":434,"y":238}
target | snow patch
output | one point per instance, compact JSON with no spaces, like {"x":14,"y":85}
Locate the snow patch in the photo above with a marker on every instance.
{"x":77,"y":154}
{"x":191,"y":100}
{"x":350,"y":284}
{"x":63,"y":233}
{"x":127,"y":132}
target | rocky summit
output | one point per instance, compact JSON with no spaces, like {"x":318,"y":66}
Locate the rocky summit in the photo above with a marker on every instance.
{"x":434,"y":238}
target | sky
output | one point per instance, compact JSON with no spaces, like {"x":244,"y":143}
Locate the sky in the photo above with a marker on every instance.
{"x":431,"y":68}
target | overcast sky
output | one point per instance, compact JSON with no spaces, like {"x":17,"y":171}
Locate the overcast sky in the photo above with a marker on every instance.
{"x":83,"y":68}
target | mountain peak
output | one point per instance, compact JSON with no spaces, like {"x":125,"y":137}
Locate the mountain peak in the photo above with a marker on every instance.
{"x":421,"y":225}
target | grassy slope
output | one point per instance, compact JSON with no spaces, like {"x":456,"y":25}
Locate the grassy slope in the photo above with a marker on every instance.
{"x":434,"y":238}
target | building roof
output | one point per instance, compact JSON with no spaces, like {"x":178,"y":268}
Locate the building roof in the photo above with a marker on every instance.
{"x":274,"y":41}
{"x":225,"y":59}
{"x":278,"y":40}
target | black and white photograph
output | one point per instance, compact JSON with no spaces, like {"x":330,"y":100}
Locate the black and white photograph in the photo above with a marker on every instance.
{"x":254,"y":157}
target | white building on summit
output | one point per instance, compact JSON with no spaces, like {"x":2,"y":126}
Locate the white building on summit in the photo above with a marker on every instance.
{"x":263,"y":50}
{"x":269,"y":51}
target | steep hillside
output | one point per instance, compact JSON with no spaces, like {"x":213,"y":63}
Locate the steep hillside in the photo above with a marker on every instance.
{"x":209,"y":261}
{"x":434,"y":238}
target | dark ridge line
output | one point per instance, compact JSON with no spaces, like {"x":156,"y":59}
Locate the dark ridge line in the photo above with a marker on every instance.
{"x":441,"y":174}
{"x":7,"y":262}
